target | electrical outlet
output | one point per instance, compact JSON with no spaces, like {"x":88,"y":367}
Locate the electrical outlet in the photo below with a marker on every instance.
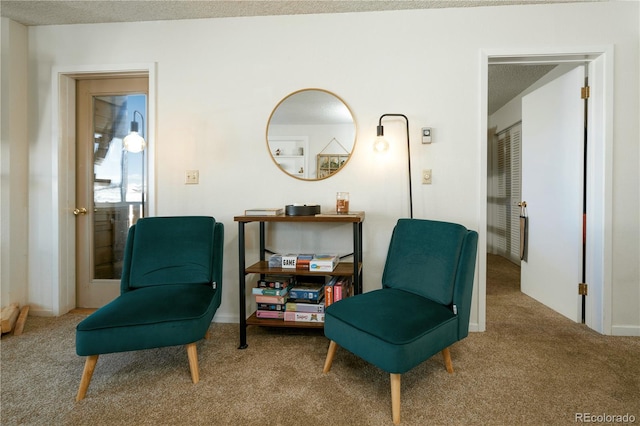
{"x":426,"y":177}
{"x":192,"y":177}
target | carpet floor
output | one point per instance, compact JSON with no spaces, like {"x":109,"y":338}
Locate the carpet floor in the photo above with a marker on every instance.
{"x":531,"y":367}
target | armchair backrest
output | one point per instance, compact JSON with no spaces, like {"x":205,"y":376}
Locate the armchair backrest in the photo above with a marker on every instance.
{"x":172,"y":250}
{"x":435,"y":260}
{"x":464,"y":282}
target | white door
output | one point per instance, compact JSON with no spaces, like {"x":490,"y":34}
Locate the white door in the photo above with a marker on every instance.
{"x":110,"y":182}
{"x":552,"y":186}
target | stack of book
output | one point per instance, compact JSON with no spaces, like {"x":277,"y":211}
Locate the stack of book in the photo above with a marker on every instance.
{"x":286,"y":297}
{"x":303,"y":261}
{"x":272,"y":294}
{"x":305,"y":303}
{"x":337,"y":289}
{"x":309,"y":262}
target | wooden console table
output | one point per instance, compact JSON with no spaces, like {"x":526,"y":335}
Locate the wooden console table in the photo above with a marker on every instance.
{"x":353,"y":269}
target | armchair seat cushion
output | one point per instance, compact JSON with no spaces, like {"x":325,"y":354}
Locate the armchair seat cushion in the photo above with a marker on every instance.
{"x":148,"y":317}
{"x":391,"y":328}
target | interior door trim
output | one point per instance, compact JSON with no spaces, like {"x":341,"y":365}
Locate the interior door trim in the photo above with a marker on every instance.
{"x":600,"y":255}
{"x":62,"y":232}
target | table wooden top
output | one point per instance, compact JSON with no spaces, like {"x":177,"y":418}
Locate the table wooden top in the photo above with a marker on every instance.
{"x":319,"y":218}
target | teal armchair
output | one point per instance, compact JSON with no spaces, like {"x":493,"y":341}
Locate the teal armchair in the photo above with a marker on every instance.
{"x":170,"y":289}
{"x":422,"y":308}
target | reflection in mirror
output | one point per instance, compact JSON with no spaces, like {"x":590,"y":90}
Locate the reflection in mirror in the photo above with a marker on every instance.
{"x":311,"y":134}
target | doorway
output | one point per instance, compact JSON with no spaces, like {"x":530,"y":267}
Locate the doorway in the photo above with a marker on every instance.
{"x":598,"y":269}
{"x":63,"y":231}
{"x":540,"y":165}
{"x":111,"y":181}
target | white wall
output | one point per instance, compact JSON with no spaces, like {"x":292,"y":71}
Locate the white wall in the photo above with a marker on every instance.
{"x":218,"y":81}
{"x":14,"y":160}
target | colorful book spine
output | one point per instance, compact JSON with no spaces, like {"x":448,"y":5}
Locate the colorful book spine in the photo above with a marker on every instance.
{"x":271,"y":306}
{"x":324,"y":262}
{"x":307,"y":293}
{"x":303,"y":261}
{"x":341,"y":289}
{"x":275,"y":282}
{"x":329,"y":291}
{"x":309,"y":301}
{"x":305,"y":307}
{"x":328,"y":295}
{"x":270,"y":314}
{"x":303,"y":316}
{"x":271,"y":299}
{"x":338,"y":291}
{"x":270,"y":291}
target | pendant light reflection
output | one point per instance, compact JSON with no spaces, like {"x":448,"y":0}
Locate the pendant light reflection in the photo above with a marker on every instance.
{"x":134,"y":141}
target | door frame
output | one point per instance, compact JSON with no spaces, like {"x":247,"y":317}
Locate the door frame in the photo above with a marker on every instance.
{"x":600,"y":171}
{"x":93,"y":292}
{"x":63,"y":186}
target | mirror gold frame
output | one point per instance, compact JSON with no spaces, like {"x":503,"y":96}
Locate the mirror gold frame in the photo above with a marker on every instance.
{"x":311,"y":134}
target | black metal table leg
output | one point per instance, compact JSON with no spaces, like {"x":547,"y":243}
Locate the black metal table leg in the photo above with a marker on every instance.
{"x":357,"y":257}
{"x":241,"y":287}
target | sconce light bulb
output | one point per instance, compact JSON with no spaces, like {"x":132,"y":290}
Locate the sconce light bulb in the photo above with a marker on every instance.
{"x":380,"y":144}
{"x":133,"y":142}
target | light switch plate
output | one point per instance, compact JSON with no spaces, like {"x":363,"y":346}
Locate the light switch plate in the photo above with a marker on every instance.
{"x":192,"y":177}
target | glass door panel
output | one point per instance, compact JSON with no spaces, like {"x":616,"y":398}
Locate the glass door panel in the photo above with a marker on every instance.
{"x":119,"y":180}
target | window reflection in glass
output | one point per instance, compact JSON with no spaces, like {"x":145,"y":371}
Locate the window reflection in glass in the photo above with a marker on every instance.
{"x":119,"y":180}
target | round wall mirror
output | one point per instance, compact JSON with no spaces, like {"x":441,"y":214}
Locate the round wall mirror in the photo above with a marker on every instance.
{"x":311,"y":134}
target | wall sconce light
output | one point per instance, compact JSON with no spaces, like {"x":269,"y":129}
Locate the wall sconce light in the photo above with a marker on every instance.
{"x":134,"y":142}
{"x":381,"y":144}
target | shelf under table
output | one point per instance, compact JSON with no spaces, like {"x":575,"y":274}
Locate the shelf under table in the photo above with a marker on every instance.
{"x":262,"y":267}
{"x":274,"y":322}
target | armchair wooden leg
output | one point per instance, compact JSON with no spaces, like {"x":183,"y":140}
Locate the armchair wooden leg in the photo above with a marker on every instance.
{"x":87,"y":373}
{"x":447,"y":360}
{"x":333,"y":347}
{"x":192,"y":353}
{"x":395,"y":398}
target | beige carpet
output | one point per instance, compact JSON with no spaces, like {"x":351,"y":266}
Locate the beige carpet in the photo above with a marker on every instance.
{"x":531,"y":366}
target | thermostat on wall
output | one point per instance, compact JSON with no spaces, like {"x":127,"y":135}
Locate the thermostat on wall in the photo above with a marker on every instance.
{"x":426,"y":135}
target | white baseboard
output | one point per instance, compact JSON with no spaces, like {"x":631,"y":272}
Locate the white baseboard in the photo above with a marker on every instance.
{"x":226,"y":318}
{"x":625,"y":330}
{"x":39,"y":312}
{"x":474,"y":327}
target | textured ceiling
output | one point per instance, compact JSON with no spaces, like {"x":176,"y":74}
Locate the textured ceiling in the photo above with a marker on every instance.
{"x":57,"y":12}
{"x":508,"y":81}
{"x":505,"y":81}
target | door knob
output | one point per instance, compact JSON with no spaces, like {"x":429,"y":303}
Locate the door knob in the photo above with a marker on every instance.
{"x":79,"y":211}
